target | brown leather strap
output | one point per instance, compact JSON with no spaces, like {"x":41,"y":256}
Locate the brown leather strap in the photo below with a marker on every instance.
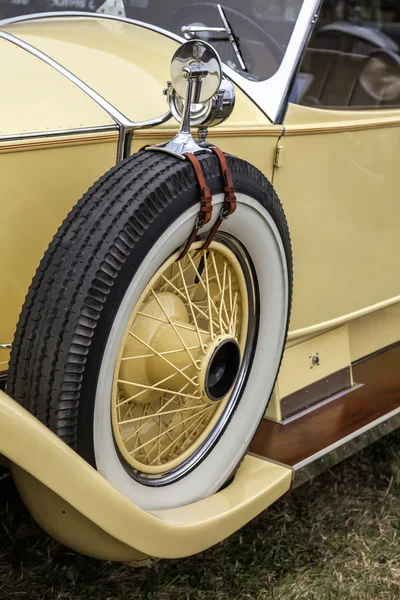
{"x":205,"y":212}
{"x":190,"y":241}
{"x":212,"y":232}
{"x":230,"y":196}
{"x":205,"y":194}
{"x":206,"y":207}
{"x":229,"y":188}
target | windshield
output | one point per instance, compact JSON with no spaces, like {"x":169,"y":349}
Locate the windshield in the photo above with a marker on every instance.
{"x":251,"y":36}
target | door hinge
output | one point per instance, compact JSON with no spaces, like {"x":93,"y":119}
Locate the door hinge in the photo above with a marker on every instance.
{"x":279,"y":156}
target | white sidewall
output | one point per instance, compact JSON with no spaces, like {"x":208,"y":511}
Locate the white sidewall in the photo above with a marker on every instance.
{"x":253,"y":226}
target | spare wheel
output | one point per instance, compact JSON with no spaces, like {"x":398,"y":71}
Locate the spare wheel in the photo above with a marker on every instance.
{"x":158,"y":370}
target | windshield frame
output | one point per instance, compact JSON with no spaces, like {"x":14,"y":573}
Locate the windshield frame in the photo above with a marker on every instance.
{"x":270,"y":95}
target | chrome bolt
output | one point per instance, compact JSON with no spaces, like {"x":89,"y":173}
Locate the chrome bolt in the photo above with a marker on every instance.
{"x":315,"y":360}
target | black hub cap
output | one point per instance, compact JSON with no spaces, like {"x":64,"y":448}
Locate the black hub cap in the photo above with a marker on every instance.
{"x":222,"y":370}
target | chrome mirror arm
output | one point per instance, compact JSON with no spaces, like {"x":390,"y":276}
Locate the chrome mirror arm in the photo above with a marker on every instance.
{"x":185,"y":125}
{"x":190,"y":31}
{"x":183,"y":142}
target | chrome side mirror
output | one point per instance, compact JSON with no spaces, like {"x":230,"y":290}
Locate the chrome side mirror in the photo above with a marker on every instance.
{"x":198,"y":95}
{"x":196,"y":71}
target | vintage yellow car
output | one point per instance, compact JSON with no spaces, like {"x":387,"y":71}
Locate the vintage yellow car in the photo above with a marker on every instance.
{"x":146,"y":408}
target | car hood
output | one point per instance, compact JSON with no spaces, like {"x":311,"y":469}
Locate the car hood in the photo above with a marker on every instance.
{"x":126,"y":64}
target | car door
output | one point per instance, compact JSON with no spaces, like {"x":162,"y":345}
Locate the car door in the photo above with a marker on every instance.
{"x":340,"y":168}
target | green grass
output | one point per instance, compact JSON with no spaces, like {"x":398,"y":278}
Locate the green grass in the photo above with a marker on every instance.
{"x":335,"y":538}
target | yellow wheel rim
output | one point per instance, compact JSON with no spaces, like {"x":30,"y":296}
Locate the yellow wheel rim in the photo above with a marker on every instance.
{"x":179,"y":357}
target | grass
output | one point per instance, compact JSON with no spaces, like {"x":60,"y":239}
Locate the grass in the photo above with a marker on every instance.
{"x":335,"y":538}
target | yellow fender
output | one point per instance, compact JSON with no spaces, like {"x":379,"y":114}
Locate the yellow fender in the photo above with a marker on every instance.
{"x":74,"y":504}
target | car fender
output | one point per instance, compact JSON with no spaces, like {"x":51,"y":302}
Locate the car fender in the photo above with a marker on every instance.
{"x":78,"y":507}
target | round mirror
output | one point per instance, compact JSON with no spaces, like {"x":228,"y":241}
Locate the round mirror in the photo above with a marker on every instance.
{"x":200,"y":58}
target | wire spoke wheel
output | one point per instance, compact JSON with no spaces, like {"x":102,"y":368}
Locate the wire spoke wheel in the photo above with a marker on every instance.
{"x":179,"y":358}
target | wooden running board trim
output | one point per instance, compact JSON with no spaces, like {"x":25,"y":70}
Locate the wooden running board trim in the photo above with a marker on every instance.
{"x":333,"y":424}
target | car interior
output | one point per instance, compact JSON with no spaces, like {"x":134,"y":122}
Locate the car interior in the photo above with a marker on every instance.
{"x":353,"y":59}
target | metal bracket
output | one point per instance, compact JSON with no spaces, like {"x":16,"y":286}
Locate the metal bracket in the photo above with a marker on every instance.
{"x":179,"y":145}
{"x":279,"y":156}
{"x":113,"y":7}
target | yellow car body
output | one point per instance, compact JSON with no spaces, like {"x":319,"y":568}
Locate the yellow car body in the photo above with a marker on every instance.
{"x":337,"y":177}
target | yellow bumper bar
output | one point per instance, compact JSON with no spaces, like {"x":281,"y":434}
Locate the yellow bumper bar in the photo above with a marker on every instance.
{"x":77,"y":506}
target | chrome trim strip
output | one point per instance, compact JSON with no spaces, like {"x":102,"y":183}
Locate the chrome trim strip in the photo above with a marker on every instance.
{"x":5,"y":346}
{"x":271,"y":95}
{"x":347,"y":446}
{"x":125,"y":125}
{"x":17,"y":137}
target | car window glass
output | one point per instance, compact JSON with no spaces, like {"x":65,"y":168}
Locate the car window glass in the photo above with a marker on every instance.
{"x":262,"y":28}
{"x":353,"y":59}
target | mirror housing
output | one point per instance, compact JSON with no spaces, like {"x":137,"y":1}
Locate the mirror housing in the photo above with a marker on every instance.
{"x":211,"y":98}
{"x":197,"y":95}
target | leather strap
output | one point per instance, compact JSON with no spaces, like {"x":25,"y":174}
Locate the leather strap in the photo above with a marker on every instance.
{"x":205,"y":194}
{"x":205,"y":212}
{"x":206,"y":207}
{"x":212,"y":232}
{"x":229,"y":189}
{"x":190,"y":241}
{"x":230,"y":202}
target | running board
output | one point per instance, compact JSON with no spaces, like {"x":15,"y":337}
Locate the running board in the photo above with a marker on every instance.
{"x":74,"y":504}
{"x":345,"y":447}
{"x":325,"y":436}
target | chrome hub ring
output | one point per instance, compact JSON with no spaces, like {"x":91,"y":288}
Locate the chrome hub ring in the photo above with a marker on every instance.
{"x":222,"y":369}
